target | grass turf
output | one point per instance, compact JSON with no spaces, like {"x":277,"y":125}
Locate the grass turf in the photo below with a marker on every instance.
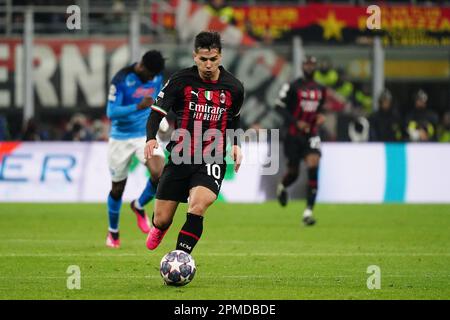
{"x":247,"y":251}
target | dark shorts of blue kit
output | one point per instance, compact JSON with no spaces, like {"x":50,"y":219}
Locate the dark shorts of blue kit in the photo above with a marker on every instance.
{"x":178,"y":179}
{"x":297,"y":147}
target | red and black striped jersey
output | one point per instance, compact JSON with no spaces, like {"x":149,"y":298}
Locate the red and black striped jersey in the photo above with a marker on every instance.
{"x":301,"y":100}
{"x":200,"y":105}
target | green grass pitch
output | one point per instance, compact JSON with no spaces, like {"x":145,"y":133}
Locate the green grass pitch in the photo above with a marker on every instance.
{"x":247,"y":251}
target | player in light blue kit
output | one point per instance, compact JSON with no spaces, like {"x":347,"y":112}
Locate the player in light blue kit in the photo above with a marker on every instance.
{"x":133,"y":90}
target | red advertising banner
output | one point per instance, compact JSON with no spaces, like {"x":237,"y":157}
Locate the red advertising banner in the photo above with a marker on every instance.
{"x":332,"y":23}
{"x":400,"y":25}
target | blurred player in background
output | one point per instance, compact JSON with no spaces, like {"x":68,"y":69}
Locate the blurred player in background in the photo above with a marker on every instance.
{"x":132,"y":92}
{"x":300,"y":102}
{"x":421,"y":122}
{"x":204,"y":97}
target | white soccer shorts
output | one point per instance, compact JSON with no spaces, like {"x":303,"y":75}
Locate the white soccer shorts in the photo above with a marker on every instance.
{"x":120,"y":153}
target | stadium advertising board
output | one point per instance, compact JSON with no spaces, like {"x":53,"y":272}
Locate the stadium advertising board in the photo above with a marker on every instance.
{"x":50,"y":172}
{"x":78,"y":172}
{"x":400,"y":25}
{"x":385,"y":173}
{"x":349,"y":173}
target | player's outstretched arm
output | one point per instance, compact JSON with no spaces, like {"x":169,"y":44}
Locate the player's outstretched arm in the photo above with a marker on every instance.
{"x":115,"y":108}
{"x":115,"y":111}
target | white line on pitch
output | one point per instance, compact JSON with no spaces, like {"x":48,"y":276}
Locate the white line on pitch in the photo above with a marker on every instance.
{"x":272,"y":277}
{"x":251,"y":254}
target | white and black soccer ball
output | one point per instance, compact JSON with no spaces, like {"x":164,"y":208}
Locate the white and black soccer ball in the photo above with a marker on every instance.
{"x":177,"y":268}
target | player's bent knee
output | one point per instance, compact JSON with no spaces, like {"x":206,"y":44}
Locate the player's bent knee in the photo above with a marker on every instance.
{"x":293,"y":175}
{"x":162,"y":222}
{"x":163,"y":213}
{"x":200,"y":207}
{"x":117,"y":189}
{"x":197,"y":209}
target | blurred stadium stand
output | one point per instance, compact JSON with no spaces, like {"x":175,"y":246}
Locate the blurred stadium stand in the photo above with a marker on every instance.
{"x":264,"y":65}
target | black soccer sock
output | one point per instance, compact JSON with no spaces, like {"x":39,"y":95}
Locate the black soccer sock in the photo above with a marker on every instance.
{"x":190,"y":233}
{"x":312,"y":187}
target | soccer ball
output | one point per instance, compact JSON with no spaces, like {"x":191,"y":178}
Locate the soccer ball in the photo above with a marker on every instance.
{"x":177,"y":268}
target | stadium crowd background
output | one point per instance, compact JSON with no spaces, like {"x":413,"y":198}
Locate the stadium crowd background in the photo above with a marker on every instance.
{"x":349,"y":102}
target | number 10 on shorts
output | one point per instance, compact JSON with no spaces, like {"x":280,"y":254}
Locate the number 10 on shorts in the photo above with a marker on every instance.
{"x":213,"y":170}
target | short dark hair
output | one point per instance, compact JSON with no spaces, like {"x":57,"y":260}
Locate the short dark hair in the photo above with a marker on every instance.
{"x":153,"y":61}
{"x":208,"y":40}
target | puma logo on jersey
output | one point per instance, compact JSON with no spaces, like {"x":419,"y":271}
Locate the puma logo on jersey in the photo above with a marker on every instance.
{"x":194,"y":93}
{"x":218,"y":184}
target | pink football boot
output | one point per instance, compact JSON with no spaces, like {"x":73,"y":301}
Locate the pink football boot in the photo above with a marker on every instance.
{"x":110,"y":242}
{"x":142,"y":220}
{"x":155,"y":237}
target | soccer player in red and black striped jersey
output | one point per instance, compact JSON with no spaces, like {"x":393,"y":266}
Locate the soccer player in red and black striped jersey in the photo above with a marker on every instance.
{"x":205,"y":98}
{"x":301,"y":103}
